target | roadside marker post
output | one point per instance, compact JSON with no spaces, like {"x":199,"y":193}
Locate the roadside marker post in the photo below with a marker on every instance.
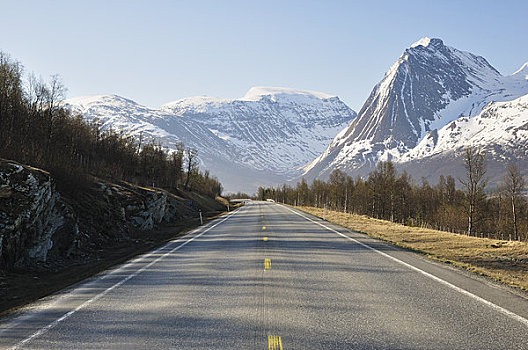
{"x":201,"y":218}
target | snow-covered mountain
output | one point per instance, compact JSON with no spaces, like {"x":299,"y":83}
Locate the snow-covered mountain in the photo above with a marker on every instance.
{"x":504,"y":123}
{"x":262,"y":138}
{"x":408,"y":112}
{"x":500,"y":130}
{"x":276,"y":129}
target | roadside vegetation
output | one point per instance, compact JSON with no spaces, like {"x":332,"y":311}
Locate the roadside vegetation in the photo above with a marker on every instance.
{"x":501,"y":260}
{"x":387,"y":195}
{"x":483,"y":232}
{"x":86,"y":164}
{"x":36,"y":130}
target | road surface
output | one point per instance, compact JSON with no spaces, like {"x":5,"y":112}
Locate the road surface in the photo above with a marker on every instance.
{"x":270,"y":277}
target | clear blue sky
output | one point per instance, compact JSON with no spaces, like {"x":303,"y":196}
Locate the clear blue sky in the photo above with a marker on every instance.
{"x":159,"y":51}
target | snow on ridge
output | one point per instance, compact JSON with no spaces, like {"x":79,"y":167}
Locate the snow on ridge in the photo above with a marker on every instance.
{"x":85,"y":102}
{"x":257,"y":92}
{"x":453,"y":83}
{"x":498,"y":123}
{"x":254,"y":94}
{"x":86,"y":99}
{"x":272,"y":135}
{"x":195,"y":102}
{"x":425,"y":41}
{"x":522,"y":72}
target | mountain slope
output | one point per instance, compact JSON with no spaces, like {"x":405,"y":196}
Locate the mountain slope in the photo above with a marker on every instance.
{"x":429,"y":86}
{"x":276,"y":129}
{"x":500,"y":130}
{"x":125,"y":115}
{"x":259,"y":139}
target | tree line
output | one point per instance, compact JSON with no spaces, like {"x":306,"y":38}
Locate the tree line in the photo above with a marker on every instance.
{"x":36,"y":130}
{"x":389,"y":195}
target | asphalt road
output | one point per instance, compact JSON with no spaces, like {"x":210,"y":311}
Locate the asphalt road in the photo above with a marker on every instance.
{"x":270,"y":277}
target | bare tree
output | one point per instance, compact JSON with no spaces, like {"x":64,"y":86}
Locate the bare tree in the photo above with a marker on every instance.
{"x":56,"y":92}
{"x":11,"y":100}
{"x":36,"y":94}
{"x":514,"y":184}
{"x":53,"y":94}
{"x":192,"y":165}
{"x":474,"y":183}
{"x":176,"y":164}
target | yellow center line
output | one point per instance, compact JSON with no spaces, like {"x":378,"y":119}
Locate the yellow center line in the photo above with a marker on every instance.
{"x":274,"y":342}
{"x":267,"y":264}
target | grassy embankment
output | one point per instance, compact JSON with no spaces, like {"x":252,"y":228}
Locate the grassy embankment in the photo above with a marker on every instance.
{"x":503,"y":261}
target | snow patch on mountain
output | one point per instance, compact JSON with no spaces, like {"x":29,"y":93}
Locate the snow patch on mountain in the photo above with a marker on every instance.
{"x":522,"y":73}
{"x":259,"y":139}
{"x":279,"y":129}
{"x":428,"y":87}
{"x":254,"y":94}
{"x":258,"y":92}
{"x":499,"y":123}
{"x":422,"y":42}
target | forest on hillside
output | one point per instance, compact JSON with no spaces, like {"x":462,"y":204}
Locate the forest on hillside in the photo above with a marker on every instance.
{"x":385,"y":194}
{"x":36,"y":130}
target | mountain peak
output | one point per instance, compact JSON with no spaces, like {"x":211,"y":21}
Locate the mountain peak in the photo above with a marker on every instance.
{"x":428,"y":42}
{"x":256,"y":93}
{"x":109,"y":99}
{"x":430,"y":85}
{"x":425,"y":41}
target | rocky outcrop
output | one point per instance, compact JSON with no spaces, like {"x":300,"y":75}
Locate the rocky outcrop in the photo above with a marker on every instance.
{"x":40,"y":225}
{"x":143,"y":208}
{"x":34,"y":222}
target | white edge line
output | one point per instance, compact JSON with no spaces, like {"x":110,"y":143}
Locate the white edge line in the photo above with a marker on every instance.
{"x":427,"y":274}
{"x":137,"y":272}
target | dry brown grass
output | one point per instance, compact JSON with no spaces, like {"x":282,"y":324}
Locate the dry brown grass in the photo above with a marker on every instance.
{"x":501,"y":260}
{"x":222,"y":200}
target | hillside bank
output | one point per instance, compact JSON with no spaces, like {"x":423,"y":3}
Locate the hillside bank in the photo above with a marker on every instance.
{"x":54,"y":234}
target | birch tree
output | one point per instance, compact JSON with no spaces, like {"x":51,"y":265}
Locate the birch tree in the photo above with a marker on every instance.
{"x":474,"y":183}
{"x":514,"y":185}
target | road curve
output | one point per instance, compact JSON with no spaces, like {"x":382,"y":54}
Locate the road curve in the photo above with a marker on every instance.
{"x":270,"y":277}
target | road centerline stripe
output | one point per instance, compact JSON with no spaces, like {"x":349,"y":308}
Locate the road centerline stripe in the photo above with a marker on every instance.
{"x":274,"y":342}
{"x":496,"y":307}
{"x":267,"y":264}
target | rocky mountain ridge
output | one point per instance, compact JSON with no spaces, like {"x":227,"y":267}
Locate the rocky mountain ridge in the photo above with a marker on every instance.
{"x":272,"y":135}
{"x":430,"y":86}
{"x":261,"y":138}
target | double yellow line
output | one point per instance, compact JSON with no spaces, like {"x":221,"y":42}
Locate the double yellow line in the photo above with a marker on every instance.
{"x":274,"y":342}
{"x":267,"y":264}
